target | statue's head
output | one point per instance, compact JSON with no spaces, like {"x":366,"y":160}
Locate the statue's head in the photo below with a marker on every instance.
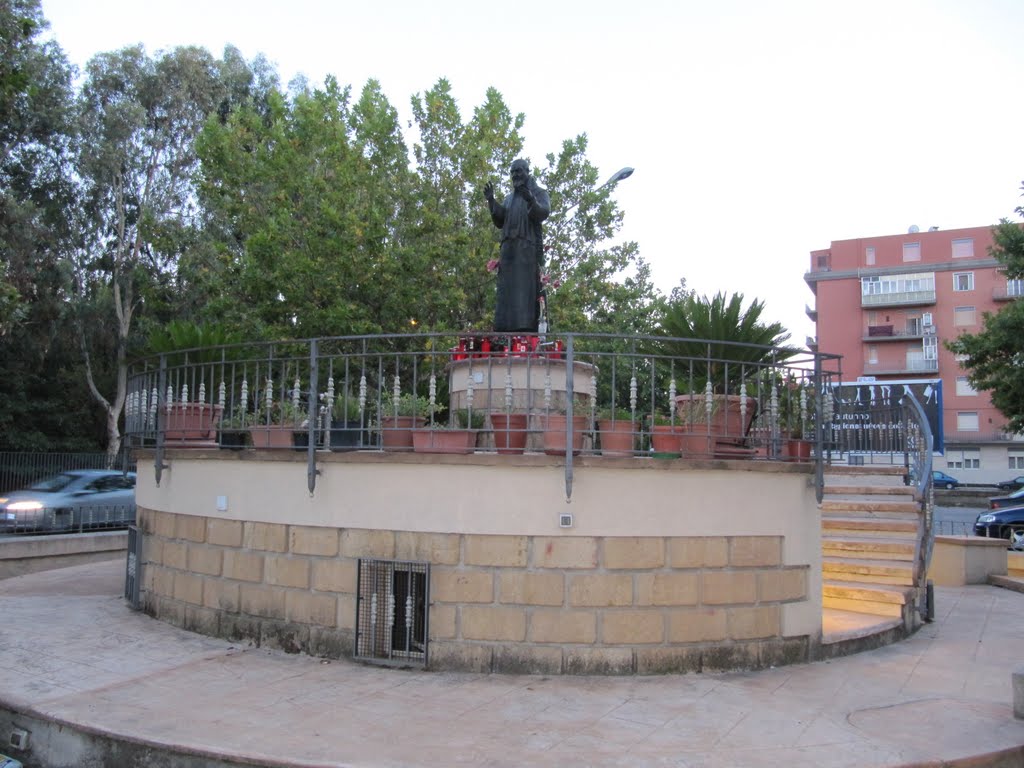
{"x":520,"y":172}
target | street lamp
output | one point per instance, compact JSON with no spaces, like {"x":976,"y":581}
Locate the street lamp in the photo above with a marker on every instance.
{"x":619,"y":175}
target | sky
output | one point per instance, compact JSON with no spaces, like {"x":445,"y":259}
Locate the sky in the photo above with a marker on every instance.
{"x":759,"y":131}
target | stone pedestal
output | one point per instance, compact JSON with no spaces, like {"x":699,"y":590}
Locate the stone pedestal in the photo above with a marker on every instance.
{"x":527,"y":379}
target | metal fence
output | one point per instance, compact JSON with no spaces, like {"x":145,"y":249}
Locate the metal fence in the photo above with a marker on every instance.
{"x":669,"y":396}
{"x":20,"y":469}
{"x":93,"y":517}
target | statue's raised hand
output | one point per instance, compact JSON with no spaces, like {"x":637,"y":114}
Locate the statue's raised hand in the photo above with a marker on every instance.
{"x":489,"y":193}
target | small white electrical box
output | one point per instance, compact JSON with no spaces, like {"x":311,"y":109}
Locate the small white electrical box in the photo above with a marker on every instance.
{"x":19,"y":739}
{"x":565,"y":520}
{"x":222,"y":503}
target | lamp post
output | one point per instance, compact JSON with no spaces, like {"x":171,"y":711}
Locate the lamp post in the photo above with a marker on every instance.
{"x":619,"y":175}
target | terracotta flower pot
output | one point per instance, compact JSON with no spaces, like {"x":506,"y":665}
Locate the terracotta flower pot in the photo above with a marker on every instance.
{"x":616,"y":437}
{"x":396,"y":432}
{"x":509,"y":432}
{"x":798,"y":450}
{"x":696,"y":443}
{"x":272,"y":436}
{"x":665,"y":439}
{"x":727,"y":415}
{"x":555,"y":430}
{"x":191,"y":423}
{"x":443,"y":440}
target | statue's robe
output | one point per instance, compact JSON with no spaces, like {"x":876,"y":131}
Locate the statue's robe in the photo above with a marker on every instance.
{"x":522,"y":258}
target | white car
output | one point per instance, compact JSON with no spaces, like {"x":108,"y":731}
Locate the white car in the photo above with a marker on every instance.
{"x":73,"y":500}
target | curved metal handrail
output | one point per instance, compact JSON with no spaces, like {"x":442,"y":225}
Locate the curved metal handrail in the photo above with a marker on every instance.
{"x":921,"y":472}
{"x":251,"y":384}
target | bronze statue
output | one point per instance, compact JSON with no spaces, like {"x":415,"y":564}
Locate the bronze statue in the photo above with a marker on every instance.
{"x":522,"y":250}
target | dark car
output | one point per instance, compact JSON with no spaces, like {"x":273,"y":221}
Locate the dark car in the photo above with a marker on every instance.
{"x":72,"y":500}
{"x":1011,"y":485}
{"x":1015,"y":499}
{"x":1005,"y":523}
{"x":942,"y":480}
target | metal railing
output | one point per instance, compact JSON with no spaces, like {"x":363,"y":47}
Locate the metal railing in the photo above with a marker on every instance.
{"x":19,"y":469}
{"x":92,"y":517}
{"x":731,"y":400}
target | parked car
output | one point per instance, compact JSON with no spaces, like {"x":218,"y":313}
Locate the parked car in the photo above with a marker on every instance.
{"x":1015,"y":499}
{"x":942,"y":480}
{"x":1011,"y":485}
{"x":1007,"y":523}
{"x":72,"y":500}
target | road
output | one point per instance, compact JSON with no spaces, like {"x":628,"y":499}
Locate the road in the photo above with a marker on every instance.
{"x":957,"y":521}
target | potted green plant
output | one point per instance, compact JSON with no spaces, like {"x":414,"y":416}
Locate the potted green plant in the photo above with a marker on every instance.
{"x":234,"y":433}
{"x":398,"y":417}
{"x":665,"y":436}
{"x":616,"y":430}
{"x":796,"y":404}
{"x":723,"y":345}
{"x":191,"y":352}
{"x":275,"y":426}
{"x":346,"y":424}
{"x":556,"y":428}
{"x":458,"y":436}
{"x":510,"y":431}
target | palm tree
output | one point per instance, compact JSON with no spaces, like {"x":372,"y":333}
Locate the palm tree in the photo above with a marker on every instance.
{"x":715,"y":339}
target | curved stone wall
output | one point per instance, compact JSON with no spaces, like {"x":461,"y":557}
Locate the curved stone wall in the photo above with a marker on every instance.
{"x":670,"y":566}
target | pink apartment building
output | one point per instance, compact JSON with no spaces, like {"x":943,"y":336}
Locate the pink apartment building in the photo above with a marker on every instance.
{"x":887,"y":304}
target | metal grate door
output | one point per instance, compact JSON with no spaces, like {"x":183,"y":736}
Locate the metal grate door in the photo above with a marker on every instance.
{"x":133,"y":568}
{"x":391,"y":611}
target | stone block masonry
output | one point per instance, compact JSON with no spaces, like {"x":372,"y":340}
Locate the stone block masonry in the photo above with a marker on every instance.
{"x":541,"y":604}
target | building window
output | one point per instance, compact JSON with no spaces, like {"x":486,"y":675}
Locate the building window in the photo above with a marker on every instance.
{"x":1015,"y":287}
{"x":892,"y":284}
{"x":967,"y":421}
{"x":872,"y":354}
{"x":968,"y":458}
{"x":869,"y":256}
{"x":963,"y":386}
{"x":911,"y":251}
{"x":963,"y":281}
{"x":963,"y":248}
{"x":913,"y":325}
{"x":1016,"y":458}
{"x":961,"y":358}
{"x":963,"y":316}
{"x":930,"y":346}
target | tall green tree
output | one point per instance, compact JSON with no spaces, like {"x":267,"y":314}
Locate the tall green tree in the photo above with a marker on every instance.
{"x":139,"y":117}
{"x":593,"y":282}
{"x":995,"y":355}
{"x":40,"y":403}
{"x":311,"y":195}
{"x":453,"y":237}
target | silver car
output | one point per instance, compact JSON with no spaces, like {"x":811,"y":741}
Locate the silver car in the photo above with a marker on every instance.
{"x":76,"y":499}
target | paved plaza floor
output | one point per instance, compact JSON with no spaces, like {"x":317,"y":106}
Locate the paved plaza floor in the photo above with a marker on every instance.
{"x":73,"y":653}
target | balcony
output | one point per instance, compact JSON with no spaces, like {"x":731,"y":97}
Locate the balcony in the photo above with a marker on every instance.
{"x":989,"y":435}
{"x":877,"y":333}
{"x":898,"y":299}
{"x":1006,"y":293}
{"x":812,"y":343}
{"x":897,"y":368}
{"x":811,"y":312}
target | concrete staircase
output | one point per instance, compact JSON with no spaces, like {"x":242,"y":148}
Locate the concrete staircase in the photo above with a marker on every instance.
{"x":871,"y":532}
